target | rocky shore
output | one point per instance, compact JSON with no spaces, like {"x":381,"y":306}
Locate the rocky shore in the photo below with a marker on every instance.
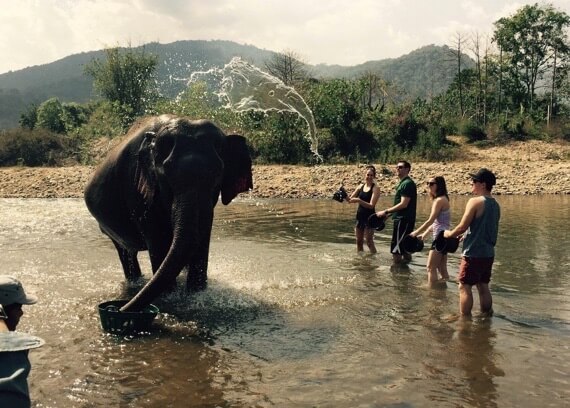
{"x":522,"y":168}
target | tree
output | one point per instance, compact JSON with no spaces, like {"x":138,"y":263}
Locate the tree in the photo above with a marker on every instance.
{"x":125,"y":77}
{"x":337,"y":107}
{"x":288,"y":66}
{"x":374,"y":91}
{"x":29,"y":117}
{"x":457,"y":52}
{"x":75,"y":115}
{"x":50,"y":116}
{"x":55,"y":116}
{"x":531,"y":38}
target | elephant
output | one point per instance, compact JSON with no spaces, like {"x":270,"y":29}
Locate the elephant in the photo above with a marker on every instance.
{"x":156,"y":192}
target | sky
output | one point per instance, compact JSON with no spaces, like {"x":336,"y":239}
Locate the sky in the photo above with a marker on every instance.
{"x":344,"y":32}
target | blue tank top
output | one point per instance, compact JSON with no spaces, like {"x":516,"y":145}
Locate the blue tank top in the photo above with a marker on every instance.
{"x":481,"y":236}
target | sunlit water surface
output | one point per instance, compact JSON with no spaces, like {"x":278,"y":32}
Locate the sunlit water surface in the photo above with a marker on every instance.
{"x":293,"y":316}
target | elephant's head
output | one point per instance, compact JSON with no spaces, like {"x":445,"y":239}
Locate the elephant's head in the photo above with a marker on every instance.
{"x":183,"y":165}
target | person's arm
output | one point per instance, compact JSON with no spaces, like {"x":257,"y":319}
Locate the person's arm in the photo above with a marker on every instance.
{"x":355,"y":194}
{"x":470,"y":212}
{"x":373,"y":199}
{"x":435,"y":210}
{"x":3,"y":318}
{"x":404,"y":201}
{"x":427,"y":231}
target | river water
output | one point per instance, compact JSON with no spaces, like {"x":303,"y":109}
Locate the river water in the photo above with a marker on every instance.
{"x":293,"y":316}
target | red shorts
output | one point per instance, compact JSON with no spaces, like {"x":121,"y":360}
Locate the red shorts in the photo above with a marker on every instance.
{"x":475,"y":270}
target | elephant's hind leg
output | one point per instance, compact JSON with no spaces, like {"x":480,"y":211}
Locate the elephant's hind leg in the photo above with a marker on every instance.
{"x":129,"y":261}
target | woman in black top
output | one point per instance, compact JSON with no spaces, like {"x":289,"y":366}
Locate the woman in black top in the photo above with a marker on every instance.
{"x":366,"y":196}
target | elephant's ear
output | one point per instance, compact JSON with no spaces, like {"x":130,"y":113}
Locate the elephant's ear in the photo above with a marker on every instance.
{"x":144,"y":175}
{"x":237,"y":168}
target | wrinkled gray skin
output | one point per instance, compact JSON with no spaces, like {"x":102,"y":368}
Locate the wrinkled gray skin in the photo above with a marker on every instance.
{"x":157,"y":192}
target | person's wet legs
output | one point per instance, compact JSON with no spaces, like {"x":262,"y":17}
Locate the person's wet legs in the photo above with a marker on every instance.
{"x":465,"y":299}
{"x":442,"y":267}
{"x":485,"y":298}
{"x":369,"y":234}
{"x":433,"y":261}
{"x":359,"y":233}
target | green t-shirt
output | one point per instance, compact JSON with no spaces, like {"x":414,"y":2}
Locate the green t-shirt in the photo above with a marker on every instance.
{"x":406,"y":188}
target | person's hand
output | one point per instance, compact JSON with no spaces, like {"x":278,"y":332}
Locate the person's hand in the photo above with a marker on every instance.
{"x":3,"y":326}
{"x":381,"y":214}
{"x":422,"y":236}
{"x":353,"y":200}
{"x":413,"y":234}
{"x":447,"y":234}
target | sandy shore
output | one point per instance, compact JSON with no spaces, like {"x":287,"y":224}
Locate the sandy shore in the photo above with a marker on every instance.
{"x":521,"y":168}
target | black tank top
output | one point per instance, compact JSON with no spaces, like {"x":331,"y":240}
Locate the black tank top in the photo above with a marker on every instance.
{"x":366,"y":195}
{"x":363,"y":213}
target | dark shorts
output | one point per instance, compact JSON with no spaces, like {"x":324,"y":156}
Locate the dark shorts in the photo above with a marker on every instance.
{"x":361,"y":225}
{"x":433,"y":248}
{"x":401,"y":229}
{"x":475,"y":270}
{"x":362,"y":218}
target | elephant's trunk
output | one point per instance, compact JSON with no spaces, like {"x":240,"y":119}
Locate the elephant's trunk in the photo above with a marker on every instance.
{"x":189,"y":221}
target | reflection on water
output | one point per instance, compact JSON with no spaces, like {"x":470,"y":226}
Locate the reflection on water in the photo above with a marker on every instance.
{"x":293,"y":316}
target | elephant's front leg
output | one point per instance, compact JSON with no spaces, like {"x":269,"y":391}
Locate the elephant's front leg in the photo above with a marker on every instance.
{"x":159,"y":241}
{"x":197,"y":278}
{"x":129,"y":262}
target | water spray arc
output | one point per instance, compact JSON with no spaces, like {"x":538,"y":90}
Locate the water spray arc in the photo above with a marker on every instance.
{"x":242,"y":87}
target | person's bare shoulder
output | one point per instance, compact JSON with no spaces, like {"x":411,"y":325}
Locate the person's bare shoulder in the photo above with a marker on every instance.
{"x":476,"y":205}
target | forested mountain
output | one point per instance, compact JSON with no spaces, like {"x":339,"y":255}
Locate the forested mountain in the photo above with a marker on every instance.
{"x":424,"y":72}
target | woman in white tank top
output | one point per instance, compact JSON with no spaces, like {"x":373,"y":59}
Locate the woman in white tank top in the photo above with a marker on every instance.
{"x":439,"y":219}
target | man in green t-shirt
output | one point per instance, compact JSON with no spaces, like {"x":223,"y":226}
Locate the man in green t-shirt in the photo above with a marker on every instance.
{"x":403,"y":211}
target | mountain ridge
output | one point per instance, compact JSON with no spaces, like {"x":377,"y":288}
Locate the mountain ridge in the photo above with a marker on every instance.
{"x":421,"y":73}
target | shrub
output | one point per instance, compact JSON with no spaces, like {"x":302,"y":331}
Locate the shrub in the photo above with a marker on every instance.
{"x":472,"y":131}
{"x":405,"y":128}
{"x":105,"y":122}
{"x":287,"y":146}
{"x":327,"y":148}
{"x":557,"y":129}
{"x":513,"y":128}
{"x":388,"y":151}
{"x":32,"y":148}
{"x":432,"y":146}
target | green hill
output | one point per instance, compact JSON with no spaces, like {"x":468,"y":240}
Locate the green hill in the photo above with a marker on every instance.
{"x":421,"y":73}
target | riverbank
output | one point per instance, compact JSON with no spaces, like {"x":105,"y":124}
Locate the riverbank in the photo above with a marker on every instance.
{"x":527,"y":168}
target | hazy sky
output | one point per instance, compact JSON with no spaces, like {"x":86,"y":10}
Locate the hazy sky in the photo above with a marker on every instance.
{"x":345,"y":32}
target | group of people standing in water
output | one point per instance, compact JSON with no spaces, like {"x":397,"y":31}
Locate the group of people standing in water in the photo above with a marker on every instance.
{"x":478,"y":229}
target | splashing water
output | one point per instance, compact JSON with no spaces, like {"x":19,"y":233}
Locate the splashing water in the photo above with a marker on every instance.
{"x":244,"y":87}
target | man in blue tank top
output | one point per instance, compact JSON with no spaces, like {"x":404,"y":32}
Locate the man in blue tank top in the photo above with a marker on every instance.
{"x":479,"y":226}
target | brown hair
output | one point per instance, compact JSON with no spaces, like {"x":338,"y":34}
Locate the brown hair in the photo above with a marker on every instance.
{"x":440,"y":187}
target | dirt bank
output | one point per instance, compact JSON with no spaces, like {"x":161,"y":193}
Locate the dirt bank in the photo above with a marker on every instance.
{"x":522,"y":168}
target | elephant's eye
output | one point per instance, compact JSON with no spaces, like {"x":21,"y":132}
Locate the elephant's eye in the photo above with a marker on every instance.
{"x":163,"y":146}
